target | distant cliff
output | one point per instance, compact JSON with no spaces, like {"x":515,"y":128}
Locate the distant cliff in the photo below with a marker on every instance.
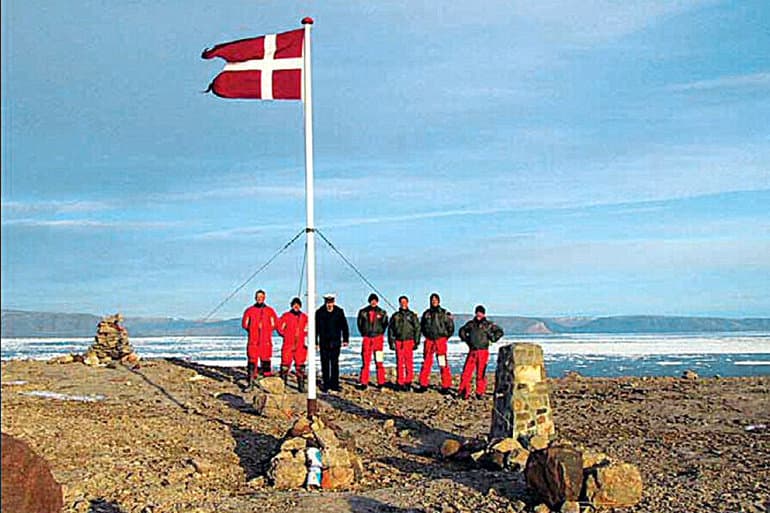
{"x":19,"y":323}
{"x":663,"y":324}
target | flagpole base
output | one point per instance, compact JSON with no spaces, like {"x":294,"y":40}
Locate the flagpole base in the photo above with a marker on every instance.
{"x":312,"y":408}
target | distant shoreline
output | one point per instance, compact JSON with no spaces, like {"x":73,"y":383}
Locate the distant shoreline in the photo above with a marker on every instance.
{"x":29,"y":324}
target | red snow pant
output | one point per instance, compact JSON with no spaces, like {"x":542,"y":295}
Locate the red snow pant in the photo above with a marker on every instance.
{"x":259,"y":354}
{"x":476,"y":361}
{"x":405,"y":361}
{"x":372,"y":346}
{"x":439,"y":347}
{"x":293,"y":351}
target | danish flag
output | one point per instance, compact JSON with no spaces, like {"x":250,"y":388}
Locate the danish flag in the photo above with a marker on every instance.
{"x":262,"y":68}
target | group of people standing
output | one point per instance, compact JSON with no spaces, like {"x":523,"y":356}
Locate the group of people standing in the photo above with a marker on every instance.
{"x":405,"y":329}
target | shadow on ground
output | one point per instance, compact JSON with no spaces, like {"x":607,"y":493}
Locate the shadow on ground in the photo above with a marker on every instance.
{"x":104,"y":506}
{"x":254,"y":450}
{"x":250,"y":447}
{"x":510,"y":485}
{"x":223,"y":374}
{"x":360,"y":504}
{"x":237,"y":402}
{"x":430,"y":438}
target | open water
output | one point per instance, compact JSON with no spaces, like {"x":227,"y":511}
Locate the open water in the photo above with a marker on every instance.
{"x":723,"y":354}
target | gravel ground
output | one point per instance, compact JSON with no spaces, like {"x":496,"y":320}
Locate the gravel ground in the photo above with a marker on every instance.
{"x":176,"y":436}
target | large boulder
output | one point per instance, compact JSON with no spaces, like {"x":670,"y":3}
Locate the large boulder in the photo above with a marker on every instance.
{"x":555,"y":474}
{"x":274,"y":406}
{"x":27,"y":483}
{"x":288,"y":470}
{"x":272,"y":385}
{"x":613,"y":485}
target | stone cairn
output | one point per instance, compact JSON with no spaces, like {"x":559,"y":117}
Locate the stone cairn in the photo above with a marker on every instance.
{"x":312,"y":455}
{"x":522,"y":409}
{"x":110,"y":344}
{"x":110,"y":347}
{"x":563,"y":476}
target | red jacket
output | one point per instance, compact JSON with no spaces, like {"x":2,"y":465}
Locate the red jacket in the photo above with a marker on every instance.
{"x":293,"y":328}
{"x":259,"y":321}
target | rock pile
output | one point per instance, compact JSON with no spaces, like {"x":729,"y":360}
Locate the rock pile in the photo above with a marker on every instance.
{"x":111,"y":343}
{"x":297,"y":464}
{"x":111,"y":346}
{"x":564,"y":476}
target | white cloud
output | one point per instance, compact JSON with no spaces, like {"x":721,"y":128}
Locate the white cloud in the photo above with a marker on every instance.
{"x":87,"y":223}
{"x":755,"y":80}
{"x":258,"y":191}
{"x":53,"y":206}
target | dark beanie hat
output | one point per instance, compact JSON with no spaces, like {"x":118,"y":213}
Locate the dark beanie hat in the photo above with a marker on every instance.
{"x":373,"y":297}
{"x":435,"y":294}
{"x":296,"y":301}
{"x":480,"y":308}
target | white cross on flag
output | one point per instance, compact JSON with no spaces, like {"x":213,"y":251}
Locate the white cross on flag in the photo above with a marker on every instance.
{"x":262,"y":68}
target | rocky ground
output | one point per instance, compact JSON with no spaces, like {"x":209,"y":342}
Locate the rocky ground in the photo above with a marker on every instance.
{"x":175,"y":436}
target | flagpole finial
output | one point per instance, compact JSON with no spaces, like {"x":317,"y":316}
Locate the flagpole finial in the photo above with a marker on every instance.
{"x":307,"y":20}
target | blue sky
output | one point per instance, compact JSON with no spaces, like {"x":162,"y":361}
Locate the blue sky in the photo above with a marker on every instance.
{"x":542,"y":158}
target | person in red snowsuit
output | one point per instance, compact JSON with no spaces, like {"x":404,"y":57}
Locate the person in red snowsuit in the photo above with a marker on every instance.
{"x":292,"y":326}
{"x":479,"y":333}
{"x":259,"y":320}
{"x":436,"y":325}
{"x":404,"y":338}
{"x":372,"y":322}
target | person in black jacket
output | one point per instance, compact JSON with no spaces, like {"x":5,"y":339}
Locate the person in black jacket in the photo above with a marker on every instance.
{"x":404,"y":338}
{"x":372,"y":322}
{"x":332,"y":333}
{"x":436,"y":325}
{"x":479,"y":333}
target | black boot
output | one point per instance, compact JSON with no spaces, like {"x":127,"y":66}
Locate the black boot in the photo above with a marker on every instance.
{"x":301,"y":379}
{"x":284,"y":373}
{"x":250,"y":377}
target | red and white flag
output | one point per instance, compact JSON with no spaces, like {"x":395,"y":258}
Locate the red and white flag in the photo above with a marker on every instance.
{"x":263,"y":68}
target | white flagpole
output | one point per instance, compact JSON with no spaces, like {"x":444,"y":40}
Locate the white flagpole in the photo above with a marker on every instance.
{"x":307,"y":99}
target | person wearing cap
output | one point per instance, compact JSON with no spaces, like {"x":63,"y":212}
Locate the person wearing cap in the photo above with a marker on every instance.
{"x":372,"y":322}
{"x":292,"y":326}
{"x":479,"y":333}
{"x":332,"y":333}
{"x":404,"y":338}
{"x":436,"y":325}
{"x":259,"y":320}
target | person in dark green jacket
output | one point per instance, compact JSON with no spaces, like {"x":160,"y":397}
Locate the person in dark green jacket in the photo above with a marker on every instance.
{"x":372,"y":322}
{"x":479,"y":333}
{"x":404,"y":338}
{"x":436,"y":325}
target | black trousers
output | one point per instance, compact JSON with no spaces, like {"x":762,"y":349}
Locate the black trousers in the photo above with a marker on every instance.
{"x":330,"y":365}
